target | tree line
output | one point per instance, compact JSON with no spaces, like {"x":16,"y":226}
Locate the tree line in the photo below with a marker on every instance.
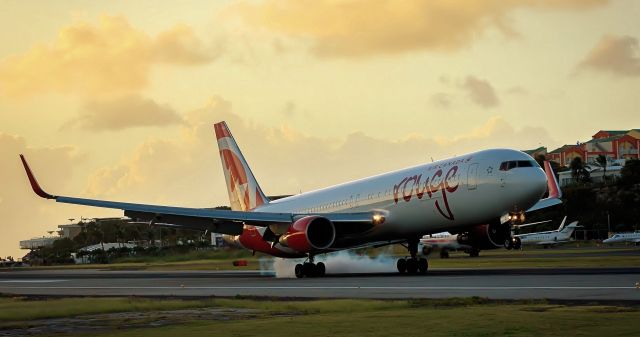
{"x":609,"y":205}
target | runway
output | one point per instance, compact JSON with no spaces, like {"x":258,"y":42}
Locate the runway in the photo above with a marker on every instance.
{"x":609,"y":284}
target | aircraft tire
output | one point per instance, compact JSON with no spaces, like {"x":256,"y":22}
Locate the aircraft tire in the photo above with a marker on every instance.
{"x":423,"y":266}
{"x":320,"y":269}
{"x":508,"y":244}
{"x":299,"y":271}
{"x":402,"y":266}
{"x":444,"y":254}
{"x":517,"y":243}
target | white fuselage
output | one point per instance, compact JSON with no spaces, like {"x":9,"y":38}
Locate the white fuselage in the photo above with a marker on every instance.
{"x":624,"y":237}
{"x":430,"y":198}
{"x":444,"y":240}
{"x":549,"y":237}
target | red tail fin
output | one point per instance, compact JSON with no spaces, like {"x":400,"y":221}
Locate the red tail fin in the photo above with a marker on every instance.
{"x":552,"y":182}
{"x":244,"y":192}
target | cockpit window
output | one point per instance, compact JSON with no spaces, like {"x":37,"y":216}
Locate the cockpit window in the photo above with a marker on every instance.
{"x":524,"y":163}
{"x":508,"y":165}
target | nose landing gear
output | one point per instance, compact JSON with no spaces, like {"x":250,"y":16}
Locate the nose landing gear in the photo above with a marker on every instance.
{"x":412,"y":265}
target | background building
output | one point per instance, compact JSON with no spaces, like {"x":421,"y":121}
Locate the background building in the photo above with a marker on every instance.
{"x":615,"y":145}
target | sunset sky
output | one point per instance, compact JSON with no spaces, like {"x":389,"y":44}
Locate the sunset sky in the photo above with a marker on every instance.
{"x":116,"y":100}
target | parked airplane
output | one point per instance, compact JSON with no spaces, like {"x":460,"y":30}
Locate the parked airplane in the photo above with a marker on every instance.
{"x":549,"y":238}
{"x":624,"y":237}
{"x":446,"y":242}
{"x":482,"y":192}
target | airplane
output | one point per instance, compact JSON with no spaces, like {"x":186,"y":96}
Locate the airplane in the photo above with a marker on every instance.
{"x":633,"y":237}
{"x":483,"y":193}
{"x":445,"y":242}
{"x":549,"y":238}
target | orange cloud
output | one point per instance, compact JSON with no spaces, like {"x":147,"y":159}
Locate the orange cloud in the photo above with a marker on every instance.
{"x":284,"y":159}
{"x":108,"y":57}
{"x":123,"y":113}
{"x":25,"y":215}
{"x":352,"y":28}
{"x":619,"y":55}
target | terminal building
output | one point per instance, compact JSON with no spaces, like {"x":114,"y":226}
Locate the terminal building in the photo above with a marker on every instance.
{"x":64,"y":231}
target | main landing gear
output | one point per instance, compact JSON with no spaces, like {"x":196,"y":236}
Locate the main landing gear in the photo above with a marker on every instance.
{"x":513,"y":243}
{"x":310,"y":269}
{"x":412,"y":265}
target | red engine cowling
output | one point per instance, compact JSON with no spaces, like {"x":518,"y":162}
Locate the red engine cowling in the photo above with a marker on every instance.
{"x":309,"y":234}
{"x":487,"y":236}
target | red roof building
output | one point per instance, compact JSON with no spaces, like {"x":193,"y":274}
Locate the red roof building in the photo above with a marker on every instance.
{"x":565,"y":154}
{"x":613,"y":144}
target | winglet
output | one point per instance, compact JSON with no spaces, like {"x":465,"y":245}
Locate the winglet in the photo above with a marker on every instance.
{"x":34,"y":183}
{"x":554,"y":188}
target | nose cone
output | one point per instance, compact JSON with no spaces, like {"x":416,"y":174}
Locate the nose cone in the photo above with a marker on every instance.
{"x":526,"y":186}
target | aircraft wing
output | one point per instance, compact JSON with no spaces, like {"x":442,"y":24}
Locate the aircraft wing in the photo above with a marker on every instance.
{"x":550,"y":243}
{"x":555,"y":193}
{"x":214,"y":220}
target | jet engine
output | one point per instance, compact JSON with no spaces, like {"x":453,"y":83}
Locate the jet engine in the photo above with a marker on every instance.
{"x":487,"y":236}
{"x":308,"y":234}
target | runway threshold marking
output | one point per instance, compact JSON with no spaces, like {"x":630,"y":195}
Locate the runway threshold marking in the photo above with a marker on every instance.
{"x":338,"y":288}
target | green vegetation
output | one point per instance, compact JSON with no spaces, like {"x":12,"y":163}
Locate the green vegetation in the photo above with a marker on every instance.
{"x":596,"y":205}
{"x":566,"y":255}
{"x":446,"y":317}
{"x":543,"y":262}
{"x":512,"y":320}
{"x":22,"y":309}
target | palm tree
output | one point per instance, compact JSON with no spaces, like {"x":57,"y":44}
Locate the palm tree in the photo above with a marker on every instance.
{"x":602,"y":162}
{"x":578,"y":171}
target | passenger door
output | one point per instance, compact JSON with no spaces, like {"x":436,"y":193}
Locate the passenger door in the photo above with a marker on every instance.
{"x":472,"y":176}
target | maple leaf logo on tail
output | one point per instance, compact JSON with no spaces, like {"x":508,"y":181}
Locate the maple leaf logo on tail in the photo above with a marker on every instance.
{"x":244,"y":192}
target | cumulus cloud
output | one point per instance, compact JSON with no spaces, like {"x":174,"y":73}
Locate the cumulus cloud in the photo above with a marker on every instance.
{"x":355,"y":28}
{"x":440,"y":100}
{"x":481,"y":92}
{"x":187,"y":170}
{"x":122,"y":113}
{"x":108,"y":57}
{"x":619,"y":55}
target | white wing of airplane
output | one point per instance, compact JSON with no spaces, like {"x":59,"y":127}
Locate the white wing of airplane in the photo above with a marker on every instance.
{"x":214,"y":220}
{"x":550,"y":243}
{"x":532,"y":223}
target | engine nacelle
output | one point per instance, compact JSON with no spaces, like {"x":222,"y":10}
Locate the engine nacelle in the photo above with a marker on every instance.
{"x":487,"y":236}
{"x":308,"y":234}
